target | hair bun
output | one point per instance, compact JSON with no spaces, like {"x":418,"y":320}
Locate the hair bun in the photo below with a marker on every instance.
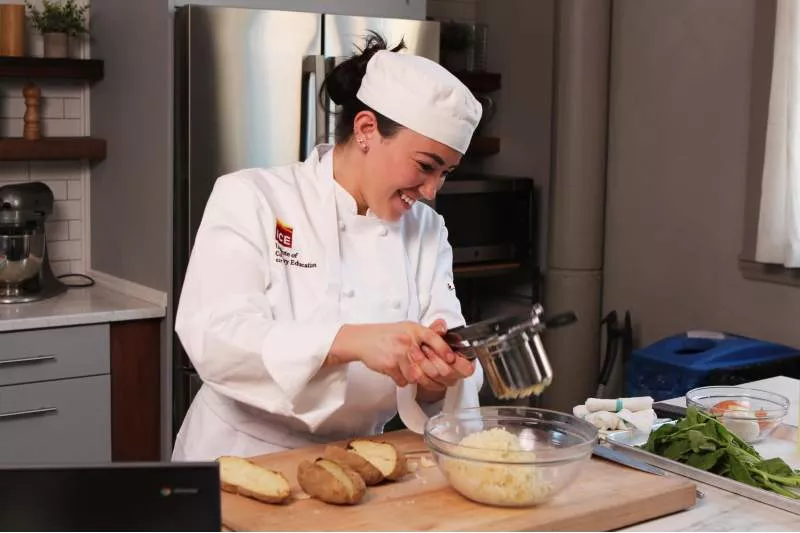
{"x":343,"y":82}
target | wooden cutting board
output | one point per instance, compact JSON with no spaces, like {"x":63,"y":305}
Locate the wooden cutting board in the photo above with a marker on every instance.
{"x":606,"y":496}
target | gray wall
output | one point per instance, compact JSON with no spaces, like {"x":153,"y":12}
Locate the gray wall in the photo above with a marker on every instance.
{"x":680,"y":129}
{"x":130,"y":190}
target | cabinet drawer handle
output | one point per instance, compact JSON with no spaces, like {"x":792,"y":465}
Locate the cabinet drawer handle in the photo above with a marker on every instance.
{"x":28,"y":413}
{"x":27,"y":360}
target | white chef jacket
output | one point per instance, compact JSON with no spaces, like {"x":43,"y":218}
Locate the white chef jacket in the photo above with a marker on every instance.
{"x":281,"y":261}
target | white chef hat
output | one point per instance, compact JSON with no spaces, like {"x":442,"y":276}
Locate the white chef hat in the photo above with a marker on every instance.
{"x":421,"y":95}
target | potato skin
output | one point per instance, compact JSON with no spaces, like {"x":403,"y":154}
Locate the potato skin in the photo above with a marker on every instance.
{"x":365,"y":469}
{"x":321,"y":484}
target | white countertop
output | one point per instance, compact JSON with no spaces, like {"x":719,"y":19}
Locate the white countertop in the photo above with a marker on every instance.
{"x":720,"y":510}
{"x":90,"y":305}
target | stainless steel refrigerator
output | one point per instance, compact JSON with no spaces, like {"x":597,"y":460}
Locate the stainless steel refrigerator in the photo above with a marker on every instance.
{"x":246,"y":85}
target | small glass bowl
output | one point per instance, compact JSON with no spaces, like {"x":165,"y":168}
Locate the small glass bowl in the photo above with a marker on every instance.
{"x":555,"y":447}
{"x":752,"y":414}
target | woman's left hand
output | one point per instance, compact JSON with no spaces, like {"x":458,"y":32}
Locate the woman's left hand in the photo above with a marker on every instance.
{"x":438,"y":374}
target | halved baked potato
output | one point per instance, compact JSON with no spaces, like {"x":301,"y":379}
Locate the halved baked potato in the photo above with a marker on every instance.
{"x":368,"y":472}
{"x":330,"y":481}
{"x":382,"y":455}
{"x":241,"y":476}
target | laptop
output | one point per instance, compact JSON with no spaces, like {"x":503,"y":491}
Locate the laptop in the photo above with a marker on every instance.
{"x":111,"y":497}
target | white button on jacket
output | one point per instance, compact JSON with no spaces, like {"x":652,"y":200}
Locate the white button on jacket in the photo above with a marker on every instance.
{"x":262,"y":302}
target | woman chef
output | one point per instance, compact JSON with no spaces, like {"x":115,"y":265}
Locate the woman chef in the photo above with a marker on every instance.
{"x":317,"y":292}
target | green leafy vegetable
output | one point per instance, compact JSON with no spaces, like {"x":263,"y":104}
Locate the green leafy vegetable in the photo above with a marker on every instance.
{"x":701,"y":441}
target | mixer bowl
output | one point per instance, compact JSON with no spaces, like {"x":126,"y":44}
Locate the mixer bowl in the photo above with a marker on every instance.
{"x":21,"y":258}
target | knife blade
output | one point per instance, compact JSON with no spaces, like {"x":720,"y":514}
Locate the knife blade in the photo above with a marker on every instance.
{"x":623,"y":459}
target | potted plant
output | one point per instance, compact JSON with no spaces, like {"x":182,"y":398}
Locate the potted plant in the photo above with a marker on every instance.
{"x":57,"y":21}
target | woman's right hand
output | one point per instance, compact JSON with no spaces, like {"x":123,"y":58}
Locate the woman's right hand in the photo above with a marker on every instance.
{"x":389,"y":349}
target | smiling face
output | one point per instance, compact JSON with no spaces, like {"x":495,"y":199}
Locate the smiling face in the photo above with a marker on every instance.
{"x":399,"y":170}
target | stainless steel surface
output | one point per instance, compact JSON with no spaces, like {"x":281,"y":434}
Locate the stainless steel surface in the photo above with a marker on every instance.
{"x":627,"y":443}
{"x":21,"y":203}
{"x":28,"y":413}
{"x":315,"y":118}
{"x":510,"y":352}
{"x":27,"y":360}
{"x":240,"y":84}
{"x":20,"y":259}
{"x":620,"y":458}
{"x":344,"y":33}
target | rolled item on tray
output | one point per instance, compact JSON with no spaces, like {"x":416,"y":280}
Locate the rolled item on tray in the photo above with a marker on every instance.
{"x":642,"y":420}
{"x":640,"y":403}
{"x":605,"y":421}
{"x":580,"y":411}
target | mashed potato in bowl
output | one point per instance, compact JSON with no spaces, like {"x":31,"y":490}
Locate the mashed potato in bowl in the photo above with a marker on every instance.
{"x":474,"y":475}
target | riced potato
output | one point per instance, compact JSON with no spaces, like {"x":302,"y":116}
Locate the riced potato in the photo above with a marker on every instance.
{"x":496,"y":483}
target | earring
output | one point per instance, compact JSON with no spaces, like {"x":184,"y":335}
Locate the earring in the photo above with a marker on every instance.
{"x":362,"y":143}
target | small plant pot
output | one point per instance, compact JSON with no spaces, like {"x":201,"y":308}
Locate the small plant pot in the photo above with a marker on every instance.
{"x":56,"y":45}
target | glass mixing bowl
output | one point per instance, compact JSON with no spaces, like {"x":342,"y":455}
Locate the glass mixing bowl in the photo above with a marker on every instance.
{"x":752,"y":414}
{"x":510,"y":456}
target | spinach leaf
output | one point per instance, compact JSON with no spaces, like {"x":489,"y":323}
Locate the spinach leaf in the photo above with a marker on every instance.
{"x":775,"y":466}
{"x":699,"y":442}
{"x":739,"y":470}
{"x":707,"y":460}
{"x":677,"y":450}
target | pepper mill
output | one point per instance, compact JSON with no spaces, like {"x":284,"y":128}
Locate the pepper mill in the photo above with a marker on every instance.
{"x":32,"y":94}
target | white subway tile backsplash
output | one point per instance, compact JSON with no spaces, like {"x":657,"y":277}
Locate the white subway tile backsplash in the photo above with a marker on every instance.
{"x":59,"y":268}
{"x":73,"y":108}
{"x":77,"y":267}
{"x":75,"y":230}
{"x":55,"y":170}
{"x":58,"y":187}
{"x":11,"y":127}
{"x":74,"y":190}
{"x":62,"y":89}
{"x":61,"y":250}
{"x":14,"y":107}
{"x":67,"y":210}
{"x":52,"y":108}
{"x":57,"y":230}
{"x":13,"y":171}
{"x":62,"y":127}
{"x":62,"y":115}
{"x":11,"y":88}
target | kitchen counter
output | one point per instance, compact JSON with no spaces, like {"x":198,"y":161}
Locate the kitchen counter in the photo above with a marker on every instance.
{"x":724,"y":511}
{"x":78,"y":306}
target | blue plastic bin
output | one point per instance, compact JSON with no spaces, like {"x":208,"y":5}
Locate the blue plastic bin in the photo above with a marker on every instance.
{"x":674,"y":365}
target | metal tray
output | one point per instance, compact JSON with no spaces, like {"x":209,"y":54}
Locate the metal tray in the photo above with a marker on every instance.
{"x":628,"y":442}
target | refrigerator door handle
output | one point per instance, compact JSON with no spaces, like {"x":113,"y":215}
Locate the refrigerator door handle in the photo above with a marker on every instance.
{"x":314,"y":119}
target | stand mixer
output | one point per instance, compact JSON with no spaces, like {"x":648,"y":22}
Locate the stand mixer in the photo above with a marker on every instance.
{"x":25,"y":274}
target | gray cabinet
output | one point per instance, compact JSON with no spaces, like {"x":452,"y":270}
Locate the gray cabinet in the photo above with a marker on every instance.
{"x":55,"y":395}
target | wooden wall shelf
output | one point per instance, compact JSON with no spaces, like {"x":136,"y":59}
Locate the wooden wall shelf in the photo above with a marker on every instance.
{"x":52,"y":148}
{"x":89,"y":70}
{"x":484,"y":146}
{"x":480,"y":82}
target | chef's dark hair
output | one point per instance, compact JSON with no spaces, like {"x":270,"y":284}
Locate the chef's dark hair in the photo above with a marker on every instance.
{"x":342,"y":85}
